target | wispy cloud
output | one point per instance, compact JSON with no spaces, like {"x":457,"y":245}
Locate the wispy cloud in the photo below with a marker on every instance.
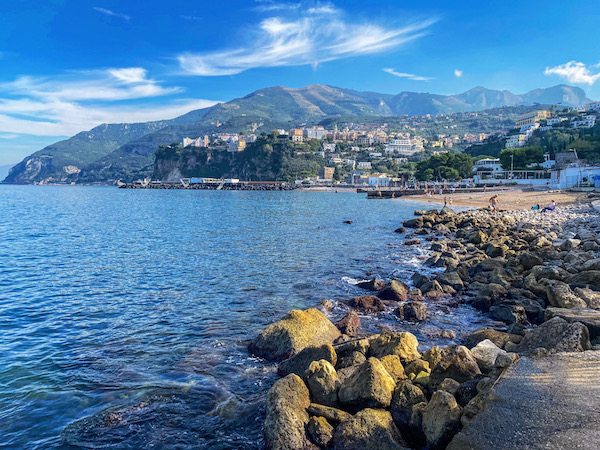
{"x":61,"y":107}
{"x":9,"y":136}
{"x":272,"y":5}
{"x":410,"y":76}
{"x":108,"y":12}
{"x":458,"y":73}
{"x":574,"y":72}
{"x":309,"y":38}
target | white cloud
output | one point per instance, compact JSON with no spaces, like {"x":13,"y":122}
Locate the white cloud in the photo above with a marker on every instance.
{"x":574,"y":72}
{"x":108,"y":12}
{"x":271,"y":5}
{"x":60,"y":107}
{"x":8,"y":136}
{"x":410,"y":76}
{"x":458,"y":73}
{"x":307,"y":39}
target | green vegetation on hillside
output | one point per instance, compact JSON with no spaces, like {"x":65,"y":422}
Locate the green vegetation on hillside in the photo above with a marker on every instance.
{"x":447,"y":166}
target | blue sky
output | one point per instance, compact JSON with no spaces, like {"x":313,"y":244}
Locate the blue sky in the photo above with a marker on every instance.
{"x":69,"y":65}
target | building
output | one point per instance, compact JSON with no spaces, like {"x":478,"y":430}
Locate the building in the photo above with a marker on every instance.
{"x":366,"y":140}
{"x":199,"y":142}
{"x":532,"y":117}
{"x":329,"y":147}
{"x":326,"y":173}
{"x":404,"y":147}
{"x":595,"y":106}
{"x":317,"y":132}
{"x":487,"y":165}
{"x":236,"y":146}
{"x":379,"y":180}
{"x":587,"y":122}
{"x":569,"y":177}
{"x":516,"y":140}
{"x":297,"y":134}
{"x":363,"y":165}
{"x":529,"y":128}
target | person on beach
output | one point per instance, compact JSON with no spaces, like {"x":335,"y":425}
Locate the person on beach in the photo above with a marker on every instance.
{"x":550,"y":207}
{"x":485,"y":188}
{"x":450,"y":201}
{"x":494,"y":203}
{"x":535,"y":207}
{"x":445,"y":201}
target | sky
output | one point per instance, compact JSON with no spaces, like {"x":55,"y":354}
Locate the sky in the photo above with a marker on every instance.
{"x":69,"y":65}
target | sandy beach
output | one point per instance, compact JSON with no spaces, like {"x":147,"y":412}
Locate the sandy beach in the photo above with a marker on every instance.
{"x":515,"y":199}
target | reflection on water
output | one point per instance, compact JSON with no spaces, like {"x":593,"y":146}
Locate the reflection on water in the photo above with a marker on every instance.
{"x":124,"y":314}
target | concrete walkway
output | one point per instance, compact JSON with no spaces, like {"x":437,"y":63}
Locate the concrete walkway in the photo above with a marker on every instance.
{"x":547,"y":403}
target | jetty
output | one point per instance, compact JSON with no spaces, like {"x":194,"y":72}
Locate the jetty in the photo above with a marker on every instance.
{"x":375,"y":193}
{"x":225,"y":185}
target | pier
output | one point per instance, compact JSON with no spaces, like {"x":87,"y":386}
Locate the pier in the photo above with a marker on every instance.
{"x":213,"y":186}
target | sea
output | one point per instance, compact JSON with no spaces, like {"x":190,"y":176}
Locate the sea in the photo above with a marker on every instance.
{"x":125,"y":315}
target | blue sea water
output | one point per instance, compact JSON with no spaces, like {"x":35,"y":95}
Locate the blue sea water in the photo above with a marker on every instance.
{"x":125,"y":314}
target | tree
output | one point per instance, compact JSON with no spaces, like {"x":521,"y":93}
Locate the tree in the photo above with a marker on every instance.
{"x":521,"y":157}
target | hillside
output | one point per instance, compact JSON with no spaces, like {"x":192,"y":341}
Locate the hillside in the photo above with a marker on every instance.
{"x":126,"y":151}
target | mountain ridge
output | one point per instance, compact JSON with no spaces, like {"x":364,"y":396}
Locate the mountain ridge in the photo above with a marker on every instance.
{"x":126,"y":151}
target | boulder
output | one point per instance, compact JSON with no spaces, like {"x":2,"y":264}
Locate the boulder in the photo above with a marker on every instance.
{"x":433,"y":356}
{"x":400,"y":230}
{"x":569,"y":244}
{"x":456,"y":363}
{"x":589,"y":317}
{"x":320,"y":431}
{"x":509,"y":312}
{"x":485,"y":353}
{"x":286,"y":415}
{"x":417,"y":366}
{"x":590,"y":297}
{"x":351,"y":358}
{"x":405,"y":396}
{"x":393,"y":366}
{"x":451,"y":279}
{"x":358,"y":345}
{"x":476,"y":237}
{"x":555,"y":335}
{"x":529,"y":260}
{"x":417,"y":222}
{"x":296,"y":331}
{"x":592,"y":264}
{"x":300,"y":362}
{"x":374,"y":284}
{"x":441,"y":419}
{"x":419,"y":280}
{"x":333,"y":415}
{"x":560,"y":295}
{"x":349,"y":324}
{"x":414,"y":311}
{"x":326,"y":305}
{"x":467,"y":390}
{"x":323,"y":383}
{"x":495,"y":251}
{"x":449,"y":385}
{"x":413,"y":242}
{"x":591,"y":277}
{"x":368,"y":429}
{"x":403,"y":344}
{"x":369,"y":386}
{"x":367,"y":304}
{"x":394,"y":290}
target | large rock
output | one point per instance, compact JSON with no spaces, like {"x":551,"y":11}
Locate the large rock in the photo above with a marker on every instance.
{"x":300,"y":362}
{"x":320,"y":431}
{"x":323,"y":383}
{"x":414,"y":311}
{"x":403,"y":344}
{"x":456,"y":363}
{"x":375,"y":284}
{"x":529,"y":260}
{"x":590,"y":297}
{"x":589,"y":317}
{"x":509,"y":311}
{"x":393,"y":366}
{"x":349,"y":324}
{"x":333,"y":415}
{"x":405,"y":396}
{"x":591,"y":277}
{"x":499,"y":338}
{"x":451,"y":279}
{"x":370,"y":386}
{"x":555,"y":335}
{"x":441,"y":419}
{"x":476,"y":237}
{"x":485,"y":353}
{"x":559,"y":294}
{"x":296,"y":331}
{"x":368,"y":429}
{"x":394,"y":290}
{"x":367,"y":304}
{"x":284,"y":427}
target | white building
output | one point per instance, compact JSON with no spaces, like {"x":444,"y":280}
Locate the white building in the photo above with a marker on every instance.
{"x":488,"y":165}
{"x":573,"y":176}
{"x":556,"y":120}
{"x":379,"y":180}
{"x":317,"y":132}
{"x":593,"y":107}
{"x":375,"y":154}
{"x":585,"y":123}
{"x":529,"y":128}
{"x":516,"y":140}
{"x":400,"y":146}
{"x":363,"y":165}
{"x":329,"y":146}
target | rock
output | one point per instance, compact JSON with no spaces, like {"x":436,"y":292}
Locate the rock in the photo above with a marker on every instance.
{"x":400,"y":230}
{"x":300,"y":362}
{"x":509,"y":312}
{"x":585,"y":277}
{"x":485,"y":353}
{"x":495,"y":251}
{"x":320,"y":431}
{"x":497,"y":337}
{"x":441,"y":419}
{"x":451,"y":279}
{"x":592,"y":264}
{"x":529,"y":260}
{"x":326,"y":305}
{"x":516,"y":328}
{"x":413,"y":242}
{"x":349,"y":324}
{"x":555,"y":335}
{"x":416,"y":417}
{"x":456,"y":363}
{"x":559,"y":294}
{"x":569,"y":244}
{"x":589,"y":317}
{"x":419,"y":280}
{"x":393,"y":366}
{"x":350,"y":359}
{"x":590,"y":297}
{"x":415,"y":295}
{"x":372,"y":285}
{"x":388,"y":343}
{"x":505,"y":360}
{"x":394,"y":290}
{"x":369,"y":386}
{"x":414,"y":311}
{"x":367,"y":304}
{"x":476,"y":237}
{"x":405,"y":396}
{"x":331,"y":414}
{"x":433,"y":356}
{"x":417,"y":222}
{"x":296,"y":331}
{"x":467,"y":390}
{"x":368,"y":429}
{"x":358,"y":345}
{"x":323,"y":383}
{"x":286,"y":416}
{"x":417,"y":366}
{"x":449,"y":385}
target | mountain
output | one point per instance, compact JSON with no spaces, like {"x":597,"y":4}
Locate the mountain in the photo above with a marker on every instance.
{"x":125,"y":151}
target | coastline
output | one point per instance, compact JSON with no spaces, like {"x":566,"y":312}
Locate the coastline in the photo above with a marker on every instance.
{"x":503,"y":265}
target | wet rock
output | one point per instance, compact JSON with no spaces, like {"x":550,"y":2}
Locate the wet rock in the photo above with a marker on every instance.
{"x":333,"y":415}
{"x":405,"y":396}
{"x":369,"y":386}
{"x":413,"y":311}
{"x":394,"y":290}
{"x":415,"y":295}
{"x":300,"y":362}
{"x":413,"y":242}
{"x":559,"y":294}
{"x":419,"y":280}
{"x":369,"y":429}
{"x":441,"y":419}
{"x":372,"y":285}
{"x":456,"y":363}
{"x":555,"y":335}
{"x":417,"y":222}
{"x":451,"y":279}
{"x":509,"y":312}
{"x":326,"y":305}
{"x":349,"y":324}
{"x":393,"y":366}
{"x":367,"y":304}
{"x":485,"y":353}
{"x":320,"y":431}
{"x":350,"y":359}
{"x":296,"y":331}
{"x":286,"y":405}
{"x":388,"y":343}
{"x":400,"y":230}
{"x":323,"y":383}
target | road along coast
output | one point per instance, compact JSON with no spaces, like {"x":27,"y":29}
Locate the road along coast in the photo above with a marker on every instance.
{"x":537,"y":274}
